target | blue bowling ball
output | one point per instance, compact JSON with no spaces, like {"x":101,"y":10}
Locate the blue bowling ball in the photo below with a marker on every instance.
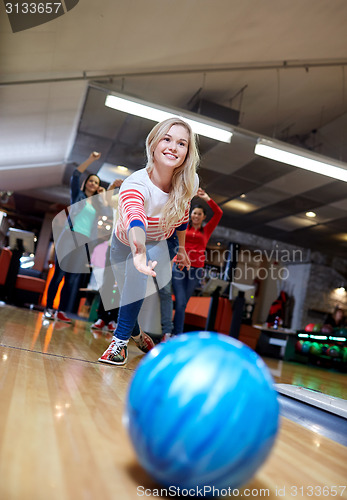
{"x":202,"y":412}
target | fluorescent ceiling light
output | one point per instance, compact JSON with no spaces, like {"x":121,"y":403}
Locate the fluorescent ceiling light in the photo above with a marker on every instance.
{"x":302,"y":159}
{"x":206,"y":127}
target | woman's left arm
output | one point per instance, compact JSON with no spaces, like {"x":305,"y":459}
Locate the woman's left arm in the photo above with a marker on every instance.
{"x":211,"y":225}
{"x":182,"y":259}
{"x":102,"y":196}
{"x":91,"y":158}
{"x":111,"y":198}
{"x":76,"y":176}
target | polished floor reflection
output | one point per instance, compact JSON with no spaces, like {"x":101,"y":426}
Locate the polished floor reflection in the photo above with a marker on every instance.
{"x":61,"y":433}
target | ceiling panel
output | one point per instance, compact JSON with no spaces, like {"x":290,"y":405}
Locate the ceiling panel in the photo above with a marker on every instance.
{"x":295,"y":205}
{"x":265,"y":195}
{"x":329,"y":193}
{"x":239,"y":206}
{"x":208,"y":176}
{"x":298,"y":181}
{"x":291,"y":223}
{"x":263,"y":170}
{"x":326,"y":214}
{"x":341,"y":205}
{"x":231,"y":186}
{"x":228,"y":158}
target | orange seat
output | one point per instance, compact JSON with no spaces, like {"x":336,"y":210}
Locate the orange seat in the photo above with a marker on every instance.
{"x":223,"y":316}
{"x":23,"y":282}
{"x":30,"y":283}
{"x":5,"y":259}
{"x":197,"y":313}
{"x":248,"y":334}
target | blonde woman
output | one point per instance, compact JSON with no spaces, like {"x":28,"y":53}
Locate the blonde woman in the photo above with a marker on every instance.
{"x":153,"y":203}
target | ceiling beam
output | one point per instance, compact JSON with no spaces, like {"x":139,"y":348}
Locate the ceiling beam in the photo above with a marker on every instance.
{"x":295,"y":64}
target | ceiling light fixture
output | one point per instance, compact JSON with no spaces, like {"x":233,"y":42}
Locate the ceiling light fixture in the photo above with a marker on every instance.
{"x":200,"y":125}
{"x":311,"y":214}
{"x":301,"y":158}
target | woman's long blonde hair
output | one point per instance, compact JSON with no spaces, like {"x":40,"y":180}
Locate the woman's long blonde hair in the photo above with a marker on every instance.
{"x":183,"y":179}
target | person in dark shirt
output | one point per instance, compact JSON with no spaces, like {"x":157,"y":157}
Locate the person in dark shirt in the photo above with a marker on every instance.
{"x":337,"y":318}
{"x":82,"y":225}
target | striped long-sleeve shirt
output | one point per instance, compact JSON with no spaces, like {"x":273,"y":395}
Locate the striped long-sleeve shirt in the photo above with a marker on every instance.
{"x":141,"y":204}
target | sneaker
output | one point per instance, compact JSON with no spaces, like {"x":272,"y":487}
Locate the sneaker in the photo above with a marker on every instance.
{"x":116,"y":353}
{"x":111,"y":326}
{"x":59,"y":326}
{"x":49,"y":313}
{"x":143,"y":341}
{"x":98,"y":325}
{"x":61,"y":316}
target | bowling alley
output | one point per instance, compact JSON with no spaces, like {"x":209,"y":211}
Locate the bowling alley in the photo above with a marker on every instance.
{"x":173,"y":249}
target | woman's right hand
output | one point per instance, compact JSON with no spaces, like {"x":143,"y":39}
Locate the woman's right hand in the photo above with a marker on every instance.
{"x":137,"y":240}
{"x":140,"y":263}
{"x":94,"y":155}
{"x":203,"y":195}
{"x":182,"y":259}
{"x":115,"y":184}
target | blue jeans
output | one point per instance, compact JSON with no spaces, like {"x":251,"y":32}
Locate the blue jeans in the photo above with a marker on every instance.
{"x":135,"y":286}
{"x":71,"y":257}
{"x":166,"y":307}
{"x":68,"y":287}
{"x":184,"y":283}
{"x":109,"y":295}
{"x":165,"y":293}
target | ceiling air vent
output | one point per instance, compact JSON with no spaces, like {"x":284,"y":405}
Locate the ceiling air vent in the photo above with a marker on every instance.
{"x":215,"y":111}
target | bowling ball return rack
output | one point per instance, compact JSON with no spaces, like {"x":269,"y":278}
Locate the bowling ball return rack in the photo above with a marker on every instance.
{"x":323,"y":360}
{"x":323,"y":414}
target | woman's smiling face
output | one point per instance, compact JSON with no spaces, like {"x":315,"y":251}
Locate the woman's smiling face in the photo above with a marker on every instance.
{"x":197,"y":216}
{"x":172,"y":149}
{"x":92,"y":185}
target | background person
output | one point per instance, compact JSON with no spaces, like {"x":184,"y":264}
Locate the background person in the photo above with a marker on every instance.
{"x":337,"y":318}
{"x":184,"y":281}
{"x":82,"y":225}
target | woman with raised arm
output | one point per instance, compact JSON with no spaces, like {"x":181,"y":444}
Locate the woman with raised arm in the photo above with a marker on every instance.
{"x":82,"y":226}
{"x":184,"y":281}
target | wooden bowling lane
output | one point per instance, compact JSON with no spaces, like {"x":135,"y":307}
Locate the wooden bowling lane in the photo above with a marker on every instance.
{"x":303,"y":464}
{"x":61,"y":433}
{"x":329,"y":382}
{"x":60,"y":429}
{"x":26,"y":329}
